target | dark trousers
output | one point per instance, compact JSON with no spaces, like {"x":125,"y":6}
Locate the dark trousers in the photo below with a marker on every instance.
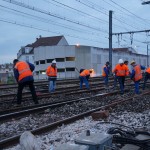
{"x":121,"y":80}
{"x":147,"y":76}
{"x":32,"y":89}
{"x":84,"y":80}
{"x":106,"y":80}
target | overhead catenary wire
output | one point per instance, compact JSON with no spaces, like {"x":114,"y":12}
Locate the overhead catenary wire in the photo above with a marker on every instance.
{"x":51,"y":21}
{"x":46,"y":30}
{"x":53,"y":15}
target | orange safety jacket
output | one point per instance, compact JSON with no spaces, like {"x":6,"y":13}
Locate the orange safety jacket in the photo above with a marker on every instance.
{"x":148,"y":70}
{"x":120,"y":70}
{"x":51,"y":72}
{"x":103,"y":72}
{"x":138,"y":74}
{"x":23,"y":70}
{"x":85,"y":73}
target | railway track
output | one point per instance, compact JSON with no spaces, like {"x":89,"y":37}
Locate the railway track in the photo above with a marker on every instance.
{"x":110,"y":103}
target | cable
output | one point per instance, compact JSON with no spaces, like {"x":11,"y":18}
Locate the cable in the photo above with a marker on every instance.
{"x":53,"y":15}
{"x":79,"y":11}
{"x":47,"y":21}
{"x":41,"y":29}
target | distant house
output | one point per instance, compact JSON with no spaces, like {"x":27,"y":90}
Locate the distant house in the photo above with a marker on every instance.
{"x":71,"y":58}
{"x":6,"y":73}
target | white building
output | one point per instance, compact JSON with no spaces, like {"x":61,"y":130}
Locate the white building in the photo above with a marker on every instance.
{"x":26,"y":53}
{"x":71,"y":58}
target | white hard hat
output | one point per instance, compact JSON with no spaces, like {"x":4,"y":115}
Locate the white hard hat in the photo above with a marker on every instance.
{"x":54,"y":61}
{"x":120,"y":61}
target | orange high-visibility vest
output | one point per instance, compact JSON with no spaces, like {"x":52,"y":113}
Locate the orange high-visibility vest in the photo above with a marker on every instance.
{"x":120,"y":70}
{"x":85,"y":73}
{"x":138,"y":74}
{"x":148,"y":70}
{"x":51,"y":72}
{"x":103,"y":72}
{"x":23,"y":69}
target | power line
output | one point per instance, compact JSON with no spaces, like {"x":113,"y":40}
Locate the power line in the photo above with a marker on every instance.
{"x":79,"y":11}
{"x":51,"y":14}
{"x":47,"y":20}
{"x":94,"y":8}
{"x":45,"y":30}
{"x":127,"y":10}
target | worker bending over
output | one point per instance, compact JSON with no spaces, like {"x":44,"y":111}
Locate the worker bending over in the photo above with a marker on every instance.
{"x":136,"y":75}
{"x":51,"y":72}
{"x":105,"y":73}
{"x":84,"y":75}
{"x":23,"y":74}
{"x":120,"y":72}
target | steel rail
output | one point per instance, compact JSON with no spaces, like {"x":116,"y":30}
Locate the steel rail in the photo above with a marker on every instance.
{"x":15,"y":139}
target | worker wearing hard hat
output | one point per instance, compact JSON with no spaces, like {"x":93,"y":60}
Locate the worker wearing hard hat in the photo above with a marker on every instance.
{"x":51,"y":72}
{"x":120,"y":72}
{"x":136,"y":75}
{"x":84,"y":75}
{"x":105,"y":73}
{"x":147,"y":76}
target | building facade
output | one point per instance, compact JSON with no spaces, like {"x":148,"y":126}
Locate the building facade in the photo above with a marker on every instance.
{"x":71,"y":58}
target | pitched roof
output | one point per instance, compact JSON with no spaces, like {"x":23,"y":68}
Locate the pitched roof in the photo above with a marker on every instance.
{"x":46,"y":41}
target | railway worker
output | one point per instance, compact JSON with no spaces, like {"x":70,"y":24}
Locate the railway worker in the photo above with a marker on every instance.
{"x":136,"y":75}
{"x":51,"y":72}
{"x":120,"y":72}
{"x":84,"y":76}
{"x":147,"y":76}
{"x":23,"y":74}
{"x":105,"y":73}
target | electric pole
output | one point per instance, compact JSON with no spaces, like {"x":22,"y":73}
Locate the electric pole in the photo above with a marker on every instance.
{"x":110,"y":39}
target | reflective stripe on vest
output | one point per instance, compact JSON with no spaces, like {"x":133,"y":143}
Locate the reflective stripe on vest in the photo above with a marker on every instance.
{"x":138,"y":74}
{"x":51,"y":72}
{"x":120,"y":70}
{"x":23,"y":69}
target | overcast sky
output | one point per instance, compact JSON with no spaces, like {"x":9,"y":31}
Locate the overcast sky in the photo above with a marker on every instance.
{"x":84,"y":22}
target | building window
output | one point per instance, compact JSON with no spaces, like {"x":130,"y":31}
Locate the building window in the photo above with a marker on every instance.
{"x":61,"y":69}
{"x":27,"y":58}
{"x":42,"y":72}
{"x":70,"y":69}
{"x":37,"y":62}
{"x":49,"y":60}
{"x":60,"y":59}
{"x":42,"y":61}
{"x":37,"y":72}
{"x":70,"y":58}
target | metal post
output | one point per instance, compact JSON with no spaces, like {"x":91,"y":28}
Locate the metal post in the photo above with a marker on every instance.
{"x":110,"y":39}
{"x":147,"y":57}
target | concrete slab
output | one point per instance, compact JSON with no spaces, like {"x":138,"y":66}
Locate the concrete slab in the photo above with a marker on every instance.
{"x":130,"y":147}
